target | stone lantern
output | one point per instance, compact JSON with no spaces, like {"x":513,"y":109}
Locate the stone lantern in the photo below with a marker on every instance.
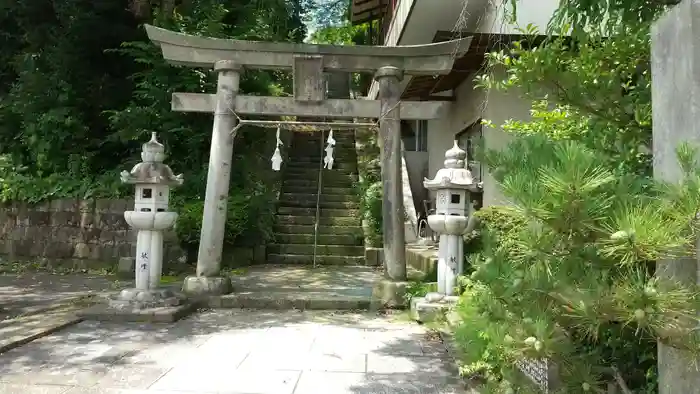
{"x":452,"y":184}
{"x":152,"y":180}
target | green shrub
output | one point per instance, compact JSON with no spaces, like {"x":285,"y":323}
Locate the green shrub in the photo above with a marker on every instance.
{"x":478,"y":358}
{"x":371,"y":211}
{"x":501,"y":222}
{"x":558,"y":276}
{"x":249,"y":220}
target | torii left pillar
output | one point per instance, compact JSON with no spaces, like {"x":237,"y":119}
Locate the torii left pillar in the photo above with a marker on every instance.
{"x":209,"y":279}
{"x":389,"y":79}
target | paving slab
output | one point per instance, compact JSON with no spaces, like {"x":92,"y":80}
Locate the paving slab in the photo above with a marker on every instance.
{"x":235,"y":352}
{"x":35,"y":304}
{"x":31,"y":291}
{"x":284,"y":287}
{"x":19,"y":331}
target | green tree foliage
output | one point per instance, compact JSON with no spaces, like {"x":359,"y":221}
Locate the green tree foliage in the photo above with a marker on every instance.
{"x":81,"y":88}
{"x":571,"y":277}
{"x":62,"y":80}
{"x":586,"y":15}
{"x":568,"y":279}
{"x":596,"y":91}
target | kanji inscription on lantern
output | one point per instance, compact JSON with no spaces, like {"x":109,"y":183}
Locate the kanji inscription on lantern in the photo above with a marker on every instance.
{"x":442,"y":197}
{"x":453,"y":263}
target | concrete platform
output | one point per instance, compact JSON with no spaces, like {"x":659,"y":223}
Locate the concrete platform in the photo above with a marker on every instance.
{"x":302,"y":287}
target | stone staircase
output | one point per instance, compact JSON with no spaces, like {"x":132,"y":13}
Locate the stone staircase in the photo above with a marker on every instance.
{"x":340,"y":239}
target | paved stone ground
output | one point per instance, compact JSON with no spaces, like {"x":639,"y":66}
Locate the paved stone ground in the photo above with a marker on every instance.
{"x":235,"y":352}
{"x":335,"y":281}
{"x":35,"y":303}
{"x":27,"y":292}
{"x":302,"y":287}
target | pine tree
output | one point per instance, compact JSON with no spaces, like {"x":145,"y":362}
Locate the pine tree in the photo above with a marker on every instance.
{"x":569,"y":277}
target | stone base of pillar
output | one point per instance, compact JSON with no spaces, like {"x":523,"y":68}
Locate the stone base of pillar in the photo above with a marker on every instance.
{"x":145,"y":299}
{"x":207,"y":286}
{"x":432,"y":307}
{"x":390,"y":294}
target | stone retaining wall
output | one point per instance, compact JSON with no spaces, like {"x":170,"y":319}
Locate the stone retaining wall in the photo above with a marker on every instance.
{"x":423,"y":259}
{"x":84,"y":230}
{"x":89,"y":234}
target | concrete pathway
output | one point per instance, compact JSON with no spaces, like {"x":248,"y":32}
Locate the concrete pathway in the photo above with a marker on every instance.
{"x":235,"y":352}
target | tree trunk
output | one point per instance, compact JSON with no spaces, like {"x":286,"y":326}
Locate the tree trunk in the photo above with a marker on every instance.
{"x":141,"y":9}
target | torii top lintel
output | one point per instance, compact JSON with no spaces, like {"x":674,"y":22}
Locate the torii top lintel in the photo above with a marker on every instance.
{"x":195,"y":51}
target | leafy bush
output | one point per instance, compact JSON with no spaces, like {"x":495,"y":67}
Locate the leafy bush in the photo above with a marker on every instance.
{"x":480,"y":357}
{"x":369,"y":189}
{"x":249,"y":219}
{"x":371,"y":211}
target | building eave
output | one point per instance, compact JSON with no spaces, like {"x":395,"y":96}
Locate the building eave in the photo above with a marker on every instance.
{"x":362,"y":11}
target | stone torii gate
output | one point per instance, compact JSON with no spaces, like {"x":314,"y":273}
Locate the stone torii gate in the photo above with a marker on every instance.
{"x":309,"y":63}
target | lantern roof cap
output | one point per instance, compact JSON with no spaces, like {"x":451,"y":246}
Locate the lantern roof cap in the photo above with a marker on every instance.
{"x":455,"y":157}
{"x":154,"y":150}
{"x":455,"y":175}
{"x":152,"y":170}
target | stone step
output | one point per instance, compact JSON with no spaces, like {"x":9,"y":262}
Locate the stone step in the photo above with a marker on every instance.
{"x":308,"y":228}
{"x":324,"y":138}
{"x":339,"y":144}
{"x":311,"y":158}
{"x":326,"y":212}
{"x":347,"y":182}
{"x":321,"y":239}
{"x":320,"y":259}
{"x":315,"y":166}
{"x":329,"y":179}
{"x":306,"y":151}
{"x":338,"y":140}
{"x":310,"y":220}
{"x":308,"y":147}
{"x":344,"y":133}
{"x":322,"y":204}
{"x":312,"y":173}
{"x":312,"y":189}
{"x":308,"y":249}
{"x":351,"y":197}
{"x":298,"y":302}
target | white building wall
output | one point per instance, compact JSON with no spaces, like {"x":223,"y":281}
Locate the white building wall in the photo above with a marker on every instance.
{"x":495,"y":17}
{"x":500,"y":107}
{"x":466,"y":109}
{"x":471,"y":104}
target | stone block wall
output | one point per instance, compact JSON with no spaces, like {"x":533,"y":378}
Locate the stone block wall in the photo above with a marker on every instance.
{"x":68,"y":229}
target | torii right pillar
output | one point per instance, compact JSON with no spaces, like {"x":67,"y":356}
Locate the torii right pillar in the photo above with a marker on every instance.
{"x":389,"y":80}
{"x":675,"y":71}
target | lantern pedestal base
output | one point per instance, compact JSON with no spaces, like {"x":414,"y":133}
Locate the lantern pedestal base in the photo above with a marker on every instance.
{"x":145,"y":299}
{"x":432,"y":307}
{"x":138,"y":305}
{"x":206,"y":286}
{"x":148,"y":315}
